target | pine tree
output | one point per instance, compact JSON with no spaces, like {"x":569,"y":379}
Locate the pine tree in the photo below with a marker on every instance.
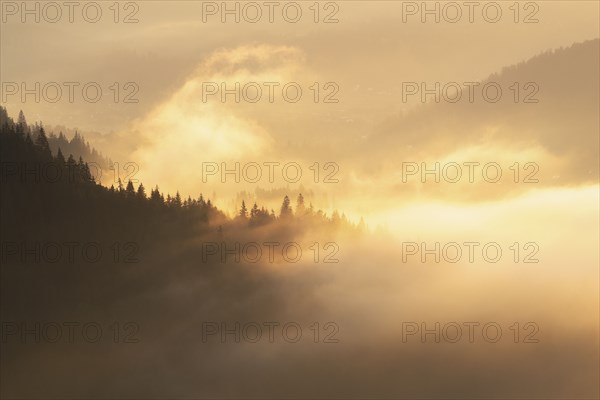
{"x":177,"y":200}
{"x":60,"y":159}
{"x":84,"y":171}
{"x":286,"y":210}
{"x":155,"y":196}
{"x":72,"y":169}
{"x":21,"y":121}
{"x":130,"y":189}
{"x":300,"y":208}
{"x":254,"y":212}
{"x":141,"y":192}
{"x":42,"y":143}
{"x":5,"y":119}
{"x":244,"y":211}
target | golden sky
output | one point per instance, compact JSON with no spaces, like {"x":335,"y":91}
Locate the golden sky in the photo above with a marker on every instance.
{"x":535,"y":164}
{"x":170,"y":53}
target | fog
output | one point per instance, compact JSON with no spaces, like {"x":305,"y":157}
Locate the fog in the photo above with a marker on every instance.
{"x":443,"y":250}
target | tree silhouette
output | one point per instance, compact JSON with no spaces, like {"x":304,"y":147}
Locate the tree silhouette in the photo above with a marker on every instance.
{"x":93,"y":208}
{"x":42,"y":144}
{"x":141,"y":192}
{"x":300,"y":208}
{"x":60,"y":160}
{"x":72,"y":168}
{"x":243,"y":210}
{"x":177,"y":200}
{"x":22,"y":124}
{"x":254,"y":211}
{"x":84,"y":171}
{"x":155,"y":196}
{"x":286,"y":210}
{"x":130,"y":190}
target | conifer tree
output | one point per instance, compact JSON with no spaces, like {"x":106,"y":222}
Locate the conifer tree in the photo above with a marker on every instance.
{"x":243,"y":210}
{"x":141,"y":192}
{"x":286,"y":210}
{"x":130,"y":189}
{"x":42,"y":144}
{"x":60,"y":159}
{"x":254,"y":213}
{"x":300,"y":208}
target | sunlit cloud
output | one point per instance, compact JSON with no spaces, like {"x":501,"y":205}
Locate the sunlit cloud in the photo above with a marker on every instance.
{"x":173,"y":139}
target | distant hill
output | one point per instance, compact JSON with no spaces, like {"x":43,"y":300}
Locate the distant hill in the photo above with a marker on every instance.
{"x":78,"y":147}
{"x":564,"y":121}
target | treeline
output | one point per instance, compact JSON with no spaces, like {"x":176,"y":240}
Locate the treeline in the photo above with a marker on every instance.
{"x":77,"y":146}
{"x":56,"y":194}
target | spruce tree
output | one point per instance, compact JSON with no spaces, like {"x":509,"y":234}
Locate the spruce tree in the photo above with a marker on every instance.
{"x":43,"y":146}
{"x":244,"y":210}
{"x":300,"y":208}
{"x":130,"y":189}
{"x":286,"y":210}
{"x":141,"y":192}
